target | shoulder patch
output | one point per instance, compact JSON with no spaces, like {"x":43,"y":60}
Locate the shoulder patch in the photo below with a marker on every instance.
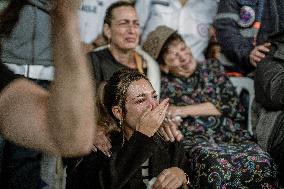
{"x":247,"y":16}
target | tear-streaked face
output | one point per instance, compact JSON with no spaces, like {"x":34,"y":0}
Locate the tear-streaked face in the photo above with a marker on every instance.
{"x":124,"y":30}
{"x":140,"y":97}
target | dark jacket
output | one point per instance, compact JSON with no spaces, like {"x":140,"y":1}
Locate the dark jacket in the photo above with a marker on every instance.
{"x":104,"y":65}
{"x":269,"y":91}
{"x":237,"y":41}
{"x":269,"y":79}
{"x":123,"y":168}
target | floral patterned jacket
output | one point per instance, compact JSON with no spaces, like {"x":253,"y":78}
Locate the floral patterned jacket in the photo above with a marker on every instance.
{"x":208,"y":84}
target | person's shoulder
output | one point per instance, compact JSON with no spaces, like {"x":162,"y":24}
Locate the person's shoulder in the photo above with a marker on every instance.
{"x":98,"y":56}
{"x":98,"y":52}
{"x":101,"y":54}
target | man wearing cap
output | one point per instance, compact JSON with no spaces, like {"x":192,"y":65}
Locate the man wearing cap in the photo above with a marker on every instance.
{"x":243,"y":27}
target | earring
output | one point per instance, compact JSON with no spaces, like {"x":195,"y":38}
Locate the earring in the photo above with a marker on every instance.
{"x":120,"y":124}
{"x":123,"y":138}
{"x":108,"y":42}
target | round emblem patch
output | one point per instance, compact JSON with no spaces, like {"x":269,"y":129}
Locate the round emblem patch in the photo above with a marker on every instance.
{"x":247,"y":16}
{"x":202,"y":29}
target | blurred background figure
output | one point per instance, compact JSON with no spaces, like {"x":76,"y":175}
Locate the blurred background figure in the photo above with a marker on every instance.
{"x":26,"y":39}
{"x":91,"y":18}
{"x":91,"y":14}
{"x":26,"y":49}
{"x":30,"y":116}
{"x":243,"y":28}
{"x":191,"y":18}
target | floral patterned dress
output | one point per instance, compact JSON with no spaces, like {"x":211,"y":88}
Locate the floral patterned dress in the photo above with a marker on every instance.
{"x":220,"y":150}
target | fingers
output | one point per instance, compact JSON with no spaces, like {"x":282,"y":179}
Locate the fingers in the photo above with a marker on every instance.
{"x":254,"y":60}
{"x":258,"y":53}
{"x":267,"y":45}
{"x":159,"y":181}
{"x":263,"y":48}
{"x":152,"y":118}
{"x":102,"y":143}
{"x":146,"y":113}
{"x":163,"y":133}
{"x":167,"y":180}
{"x":172,"y":131}
{"x":161,"y":110}
{"x":163,"y":114}
{"x":162,"y":107}
{"x":169,"y":133}
{"x":179,"y":136}
{"x":157,"y":111}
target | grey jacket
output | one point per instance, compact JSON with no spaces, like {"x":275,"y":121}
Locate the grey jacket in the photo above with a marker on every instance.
{"x":29,"y":42}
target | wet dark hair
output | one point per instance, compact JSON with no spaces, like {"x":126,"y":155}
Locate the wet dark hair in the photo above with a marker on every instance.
{"x":109,"y":16}
{"x":174,"y":37}
{"x":115,"y":90}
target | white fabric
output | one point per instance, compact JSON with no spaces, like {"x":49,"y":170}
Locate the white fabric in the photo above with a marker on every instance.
{"x":91,"y":18}
{"x":52,"y":173}
{"x":245,"y":83}
{"x":145,"y":171}
{"x":191,"y":21}
{"x":33,"y":71}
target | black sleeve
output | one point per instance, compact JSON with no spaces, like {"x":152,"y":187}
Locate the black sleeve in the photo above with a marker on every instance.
{"x":181,"y":157}
{"x":6,"y":76}
{"x":269,"y":79}
{"x":98,"y":171}
{"x":128,"y":160}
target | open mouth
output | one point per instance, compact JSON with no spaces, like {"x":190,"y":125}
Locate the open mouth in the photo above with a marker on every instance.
{"x":186,"y":65}
{"x":130,"y":40}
